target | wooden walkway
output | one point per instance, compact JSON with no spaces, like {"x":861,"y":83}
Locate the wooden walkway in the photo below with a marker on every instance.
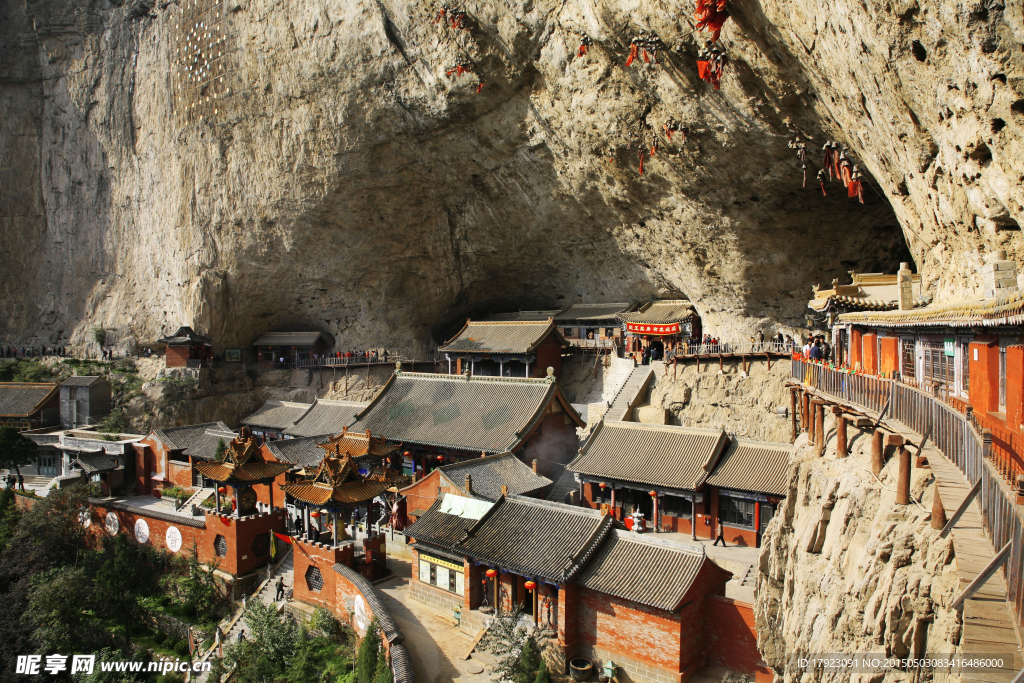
{"x":988,"y":624}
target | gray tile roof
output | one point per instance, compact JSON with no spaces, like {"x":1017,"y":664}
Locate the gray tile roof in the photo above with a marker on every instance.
{"x":525,"y":316}
{"x":516,"y":337}
{"x":293,"y":339}
{"x":22,"y":399}
{"x":98,"y":462}
{"x":277,"y":414}
{"x":661,"y":312}
{"x":439,"y":528}
{"x":756,"y":466}
{"x":651,"y":455}
{"x":643,"y":569}
{"x":326,"y":417}
{"x":175,"y":519}
{"x":375,"y":601}
{"x":491,"y":473}
{"x":81,"y":381}
{"x":301,"y":451}
{"x":477,"y":414}
{"x":537,"y":538}
{"x":180,"y":438}
{"x":205,"y":447}
{"x":592,"y":311}
{"x":185,"y":335}
{"x":401,"y":664}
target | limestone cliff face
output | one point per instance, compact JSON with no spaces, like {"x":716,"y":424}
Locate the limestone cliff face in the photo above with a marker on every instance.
{"x":338,"y":178}
{"x":843,"y":569}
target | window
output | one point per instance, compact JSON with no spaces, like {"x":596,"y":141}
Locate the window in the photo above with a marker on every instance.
{"x":314,"y":579}
{"x":674,"y":505}
{"x":220,"y":546}
{"x":965,"y":373}
{"x":609,"y":332}
{"x":736,"y":512}
{"x":908,"y":359}
{"x":938,"y":367}
{"x":444,"y":578}
{"x":600,"y":495}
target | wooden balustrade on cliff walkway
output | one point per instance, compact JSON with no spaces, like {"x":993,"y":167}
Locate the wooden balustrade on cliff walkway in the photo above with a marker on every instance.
{"x":973,"y":478}
{"x":722,"y":351}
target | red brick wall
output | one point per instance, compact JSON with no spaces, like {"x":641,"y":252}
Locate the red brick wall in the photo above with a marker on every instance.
{"x":615,"y":628}
{"x":190,"y":536}
{"x":318,"y":555}
{"x":422,"y":494}
{"x":732,"y":638}
{"x":890,"y":358}
{"x":984,"y":376}
{"x":176,"y":356}
{"x":549,"y":354}
{"x":179,"y":475}
{"x":246,"y":530}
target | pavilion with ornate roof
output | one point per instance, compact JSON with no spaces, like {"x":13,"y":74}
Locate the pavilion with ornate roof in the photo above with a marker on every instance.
{"x":242,"y":467}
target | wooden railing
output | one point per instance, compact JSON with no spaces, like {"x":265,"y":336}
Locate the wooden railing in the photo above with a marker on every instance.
{"x":592,"y":343}
{"x":748,"y":349}
{"x":991,"y":456}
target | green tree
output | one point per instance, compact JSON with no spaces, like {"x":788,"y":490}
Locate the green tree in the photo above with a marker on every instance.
{"x":98,"y":675}
{"x":57,"y":608}
{"x":528,"y":661}
{"x":505,"y":639}
{"x":16,"y":450}
{"x":128,"y":574}
{"x":383,"y":673}
{"x":9,"y":516}
{"x":369,"y":651}
{"x":198,"y":587}
{"x":218,"y":455}
{"x":99,"y":335}
{"x":543,"y":675}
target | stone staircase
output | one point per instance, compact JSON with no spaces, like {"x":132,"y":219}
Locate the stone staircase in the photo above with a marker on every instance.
{"x":198,"y":497}
{"x":638,"y":382}
{"x":563,"y":486}
{"x":748,"y":577}
{"x":267,"y":592}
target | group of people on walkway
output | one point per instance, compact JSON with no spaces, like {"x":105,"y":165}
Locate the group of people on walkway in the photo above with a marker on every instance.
{"x":11,"y":481}
{"x":32,"y":352}
{"x":817,"y":348}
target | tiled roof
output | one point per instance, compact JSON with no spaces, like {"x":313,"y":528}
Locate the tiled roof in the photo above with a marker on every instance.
{"x":375,"y":601}
{"x":592,"y":311}
{"x":205,"y":447}
{"x":1007,"y":309}
{"x":303,"y":451}
{"x":517,"y":337}
{"x":525,"y":316}
{"x":98,"y":462}
{"x":652,"y":455}
{"x":180,"y":438}
{"x":253,"y":472}
{"x":179,"y":519}
{"x":537,"y":538}
{"x":326,"y":417}
{"x":441,"y":528}
{"x":755,"y":466}
{"x":293,"y":339}
{"x":868,"y":292}
{"x":490,"y":414}
{"x":357,"y":444}
{"x":401,"y":664}
{"x":22,"y":399}
{"x":491,"y":473}
{"x":642,"y":569}
{"x":185,"y":335}
{"x":81,"y":381}
{"x":277,"y":414}
{"x":661,"y":312}
{"x":349,"y":494}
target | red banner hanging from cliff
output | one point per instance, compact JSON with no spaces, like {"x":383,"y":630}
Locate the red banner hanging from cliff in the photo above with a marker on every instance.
{"x":647,"y":328}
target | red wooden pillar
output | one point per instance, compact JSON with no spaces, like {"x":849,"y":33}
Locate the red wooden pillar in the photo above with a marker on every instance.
{"x":903,"y":483}
{"x":841,"y":443}
{"x":876,"y":452}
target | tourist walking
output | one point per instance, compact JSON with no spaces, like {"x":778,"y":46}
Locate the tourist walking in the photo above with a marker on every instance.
{"x":280,"y":589}
{"x":721,"y":535}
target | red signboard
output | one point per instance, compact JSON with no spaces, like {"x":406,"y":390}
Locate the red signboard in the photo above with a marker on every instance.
{"x":648,"y":328}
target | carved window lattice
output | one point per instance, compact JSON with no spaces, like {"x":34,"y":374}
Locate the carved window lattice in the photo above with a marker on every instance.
{"x":314,"y":579}
{"x":220,"y":546}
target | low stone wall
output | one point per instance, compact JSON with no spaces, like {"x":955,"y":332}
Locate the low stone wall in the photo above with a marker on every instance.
{"x":440,"y":600}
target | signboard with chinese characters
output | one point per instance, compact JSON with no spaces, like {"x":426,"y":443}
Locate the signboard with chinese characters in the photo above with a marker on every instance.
{"x":233,"y":355}
{"x":648,"y":328}
{"x":949,"y":346}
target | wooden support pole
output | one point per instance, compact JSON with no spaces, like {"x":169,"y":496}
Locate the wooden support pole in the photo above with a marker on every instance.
{"x":841,"y":443}
{"x":811,"y":435}
{"x":876,"y":452}
{"x":903,"y":483}
{"x":938,"y":511}
{"x":721,"y":366}
{"x":984,"y":576}
{"x":961,"y":510}
{"x":792,"y":411}
{"x":819,"y":428}
{"x":805,"y":411}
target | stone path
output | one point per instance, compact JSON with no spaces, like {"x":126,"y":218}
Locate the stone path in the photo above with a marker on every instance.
{"x":628,"y":395}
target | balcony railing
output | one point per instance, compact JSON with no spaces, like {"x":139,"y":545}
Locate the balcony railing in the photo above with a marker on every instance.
{"x":981,"y":448}
{"x":591,"y":343}
{"x":724,"y":348}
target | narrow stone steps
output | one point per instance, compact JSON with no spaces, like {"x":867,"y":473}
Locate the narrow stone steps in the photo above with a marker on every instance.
{"x":638,"y":382}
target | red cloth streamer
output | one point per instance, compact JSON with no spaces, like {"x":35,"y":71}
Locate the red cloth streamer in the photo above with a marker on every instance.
{"x":646,"y":58}
{"x":641,"y":162}
{"x":440,"y":15}
{"x":227,"y":522}
{"x":632,"y":54}
{"x":283,"y":538}
{"x":711,"y":15}
{"x":823,"y":189}
{"x":583,"y":50}
{"x":668,"y":133}
{"x":703,"y":69}
{"x":855,"y":189}
{"x":480,"y":86}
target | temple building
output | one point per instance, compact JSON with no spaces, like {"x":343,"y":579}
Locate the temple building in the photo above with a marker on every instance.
{"x":84,"y":401}
{"x":484,"y":478}
{"x":29,"y":405}
{"x":582,"y":579}
{"x":324,"y":417}
{"x":187,"y":348}
{"x":505,"y":349}
{"x":242,"y":467}
{"x":160,"y":459}
{"x":745,"y":490}
{"x":291,"y":348}
{"x":866,"y":292}
{"x":587,"y":324}
{"x":523,"y":316}
{"x":275,"y":417}
{"x":440,"y":419}
{"x":661,"y":325}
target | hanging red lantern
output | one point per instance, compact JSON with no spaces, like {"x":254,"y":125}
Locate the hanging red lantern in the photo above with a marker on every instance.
{"x":654,"y":494}
{"x":314,"y":514}
{"x":222,"y":490}
{"x":603,"y":485}
{"x":491,"y":573}
{"x":407,"y":454}
{"x":530,"y":585}
{"x":440,"y":458}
